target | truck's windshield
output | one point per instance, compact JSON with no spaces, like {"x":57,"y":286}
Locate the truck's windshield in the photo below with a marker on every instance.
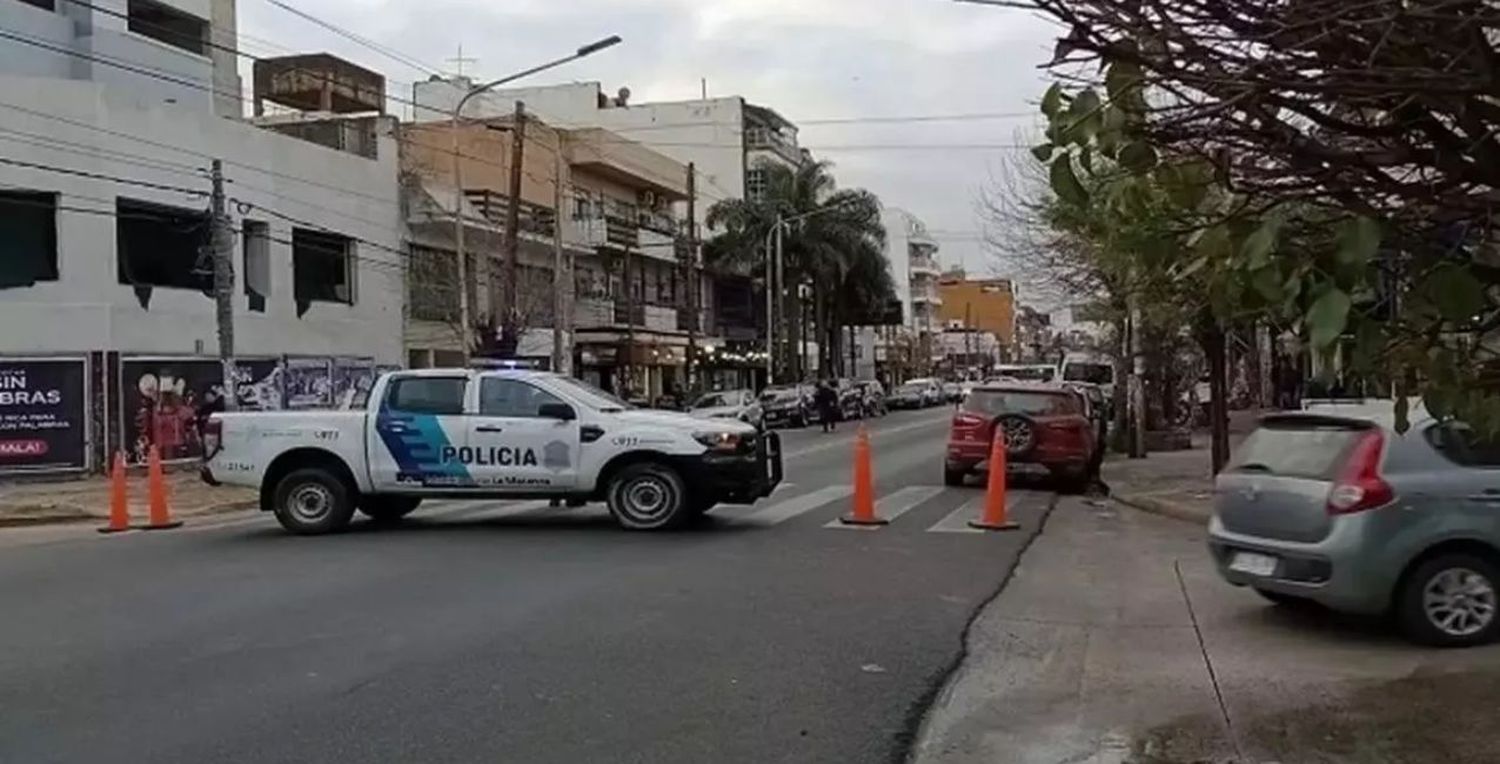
{"x":595,"y":397}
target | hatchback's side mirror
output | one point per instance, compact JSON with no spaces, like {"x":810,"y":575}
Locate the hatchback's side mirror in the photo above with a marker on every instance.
{"x":559,"y":411}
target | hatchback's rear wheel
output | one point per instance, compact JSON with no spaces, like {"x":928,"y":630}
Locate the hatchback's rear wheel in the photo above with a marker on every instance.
{"x":1450,"y":601}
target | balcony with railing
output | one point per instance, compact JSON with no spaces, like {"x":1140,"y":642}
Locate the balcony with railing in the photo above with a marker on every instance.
{"x":924,"y":265}
{"x":533,"y":218}
{"x":926,"y":294}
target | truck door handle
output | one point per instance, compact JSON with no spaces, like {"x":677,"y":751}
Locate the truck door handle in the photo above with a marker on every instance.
{"x":489,"y":428}
{"x":397,"y":428}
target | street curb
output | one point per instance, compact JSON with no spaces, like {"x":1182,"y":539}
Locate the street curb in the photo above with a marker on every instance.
{"x":1157,"y":505}
{"x":76,"y":518}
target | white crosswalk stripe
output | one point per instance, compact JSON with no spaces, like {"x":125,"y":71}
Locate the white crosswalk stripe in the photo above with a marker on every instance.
{"x":957,"y":521}
{"x":894,"y":506}
{"x":785,"y":510}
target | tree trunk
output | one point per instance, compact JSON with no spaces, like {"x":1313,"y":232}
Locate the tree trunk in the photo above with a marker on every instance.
{"x":1214,"y":346}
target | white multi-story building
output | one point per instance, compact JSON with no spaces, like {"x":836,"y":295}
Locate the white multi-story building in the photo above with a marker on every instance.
{"x":111,"y":114}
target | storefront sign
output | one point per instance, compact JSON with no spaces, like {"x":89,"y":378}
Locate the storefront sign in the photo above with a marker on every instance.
{"x":42,"y":415}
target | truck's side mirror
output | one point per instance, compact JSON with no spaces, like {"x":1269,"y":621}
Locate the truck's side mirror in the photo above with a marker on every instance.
{"x":559,"y":411}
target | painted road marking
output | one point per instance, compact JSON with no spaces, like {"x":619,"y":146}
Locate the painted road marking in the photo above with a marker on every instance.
{"x":894,"y":506}
{"x":786,"y":510}
{"x":957,"y":521}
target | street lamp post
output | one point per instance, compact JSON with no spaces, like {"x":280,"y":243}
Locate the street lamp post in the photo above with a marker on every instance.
{"x":774,"y":265}
{"x":464,"y":308}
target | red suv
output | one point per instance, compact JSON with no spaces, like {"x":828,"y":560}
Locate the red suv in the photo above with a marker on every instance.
{"x":1044,"y":425}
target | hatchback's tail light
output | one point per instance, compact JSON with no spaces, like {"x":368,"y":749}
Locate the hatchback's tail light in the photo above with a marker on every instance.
{"x":1069,"y":434}
{"x":967,"y":426}
{"x":1359,"y":485}
{"x":213,"y":437}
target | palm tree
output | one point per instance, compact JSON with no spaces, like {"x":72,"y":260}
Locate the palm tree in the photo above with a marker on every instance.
{"x":835,"y":248}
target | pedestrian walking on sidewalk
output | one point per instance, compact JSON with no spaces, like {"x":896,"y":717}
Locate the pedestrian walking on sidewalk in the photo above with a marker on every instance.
{"x":827,"y":399}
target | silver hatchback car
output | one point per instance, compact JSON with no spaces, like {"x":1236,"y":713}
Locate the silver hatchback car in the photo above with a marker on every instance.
{"x":1335,"y":507}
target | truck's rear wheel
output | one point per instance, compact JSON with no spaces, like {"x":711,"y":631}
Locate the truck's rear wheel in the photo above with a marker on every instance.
{"x":313,"y":501}
{"x":388,"y":509}
{"x":647,"y":497}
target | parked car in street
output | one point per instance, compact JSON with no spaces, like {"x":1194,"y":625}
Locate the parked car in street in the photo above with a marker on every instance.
{"x":932,"y":390}
{"x":909,"y":395}
{"x":1036,"y":372}
{"x":873,"y":396}
{"x":851,"y":400}
{"x":953,"y":392}
{"x":1096,"y":408}
{"x":1091,"y":369}
{"x":730,"y":404}
{"x":788,"y":406}
{"x":1335,"y":507}
{"x":1045,"y":427}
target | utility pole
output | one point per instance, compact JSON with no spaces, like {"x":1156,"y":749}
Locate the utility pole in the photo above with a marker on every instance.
{"x":771,"y":304}
{"x":223,"y":253}
{"x":780,"y":277}
{"x":510,"y":329}
{"x":562,"y":273}
{"x":691,"y":280}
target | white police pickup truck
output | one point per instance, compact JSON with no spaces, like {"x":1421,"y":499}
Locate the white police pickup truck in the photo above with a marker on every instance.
{"x":463,"y":433}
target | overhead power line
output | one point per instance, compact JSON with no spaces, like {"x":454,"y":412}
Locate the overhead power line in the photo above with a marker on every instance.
{"x":388,"y":52}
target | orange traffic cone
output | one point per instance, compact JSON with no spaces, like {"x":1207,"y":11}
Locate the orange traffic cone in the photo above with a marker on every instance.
{"x":156,"y":489}
{"x":995,"y":518}
{"x":119,"y":510}
{"x":864,"y":485}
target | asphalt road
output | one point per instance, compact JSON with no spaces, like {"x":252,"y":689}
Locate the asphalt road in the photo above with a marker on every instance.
{"x":508,"y":632}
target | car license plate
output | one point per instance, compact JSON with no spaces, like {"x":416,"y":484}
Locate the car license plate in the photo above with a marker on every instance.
{"x":1254,"y":564}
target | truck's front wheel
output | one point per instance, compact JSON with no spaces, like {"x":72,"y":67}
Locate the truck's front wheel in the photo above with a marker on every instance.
{"x":313,"y":501}
{"x":648,"y":497}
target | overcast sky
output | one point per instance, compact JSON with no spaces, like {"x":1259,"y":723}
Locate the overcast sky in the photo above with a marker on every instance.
{"x":808,"y":59}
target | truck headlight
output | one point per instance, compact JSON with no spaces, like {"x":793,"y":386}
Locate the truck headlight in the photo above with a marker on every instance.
{"x":727,"y":442}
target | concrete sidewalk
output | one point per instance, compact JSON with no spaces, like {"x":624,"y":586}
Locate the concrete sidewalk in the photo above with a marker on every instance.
{"x":1116,"y":642}
{"x":1177,"y":484}
{"x":87,"y":499}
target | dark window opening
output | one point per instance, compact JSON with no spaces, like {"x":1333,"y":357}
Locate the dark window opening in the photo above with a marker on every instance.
{"x":322,"y":270}
{"x":28,"y":238}
{"x":257,"y":267}
{"x":161,"y":246}
{"x":168,"y":25}
{"x":441,"y":396}
{"x":512,"y":398}
{"x":432,"y":284}
{"x":48,"y":5}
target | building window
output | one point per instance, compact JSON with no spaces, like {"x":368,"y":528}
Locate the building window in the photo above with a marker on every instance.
{"x":755,"y":184}
{"x":256,"y":270}
{"x":48,"y":5}
{"x":432,"y":284}
{"x":168,"y":25}
{"x":161,"y":246}
{"x":322,"y":268}
{"x":28,"y":238}
{"x":583,"y":207}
